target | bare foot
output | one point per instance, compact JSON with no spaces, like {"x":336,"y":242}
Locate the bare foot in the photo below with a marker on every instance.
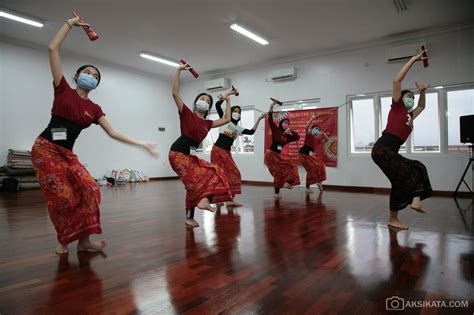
{"x":233,"y":204}
{"x":192,"y":223}
{"x":61,"y":249}
{"x":205,"y":205}
{"x":287,"y":185}
{"x":320,"y":186}
{"x":309,"y":191}
{"x":417,"y":206}
{"x":87,"y":244}
{"x":277,"y":196}
{"x":394,"y":223}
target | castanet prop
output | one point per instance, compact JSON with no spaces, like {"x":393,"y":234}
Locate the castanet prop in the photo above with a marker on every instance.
{"x":234,"y":89}
{"x":276,"y":101}
{"x":90,"y":33}
{"x":192,"y":70}
{"x":425,"y":61}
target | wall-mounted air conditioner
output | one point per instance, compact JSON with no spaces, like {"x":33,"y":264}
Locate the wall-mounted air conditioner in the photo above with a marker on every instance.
{"x":218,"y":84}
{"x":283,"y":74}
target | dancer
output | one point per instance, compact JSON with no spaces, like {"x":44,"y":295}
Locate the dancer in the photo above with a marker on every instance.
{"x":72,"y":195}
{"x":409,"y":178}
{"x":315,"y":168}
{"x":284,"y":172}
{"x":201,"y":179}
{"x":221,"y":155}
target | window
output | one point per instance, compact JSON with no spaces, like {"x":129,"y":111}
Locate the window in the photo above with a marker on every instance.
{"x":426,"y":131}
{"x":459,"y":103}
{"x":243,"y":144}
{"x":385,"y":103}
{"x":362,"y":125}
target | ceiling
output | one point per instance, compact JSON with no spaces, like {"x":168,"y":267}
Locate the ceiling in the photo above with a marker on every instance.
{"x":199,"y":30}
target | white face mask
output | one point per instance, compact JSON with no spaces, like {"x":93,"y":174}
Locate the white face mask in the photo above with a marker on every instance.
{"x":202,"y":106}
{"x":235,"y":116}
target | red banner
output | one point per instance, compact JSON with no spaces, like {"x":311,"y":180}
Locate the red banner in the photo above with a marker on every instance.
{"x":327,"y":119}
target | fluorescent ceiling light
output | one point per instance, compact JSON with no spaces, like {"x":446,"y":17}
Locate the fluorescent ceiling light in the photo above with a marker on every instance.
{"x":20,"y":19}
{"x":438,"y":87}
{"x":158,"y":59}
{"x":249,"y":34}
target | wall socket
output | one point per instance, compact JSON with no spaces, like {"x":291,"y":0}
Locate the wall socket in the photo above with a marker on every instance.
{"x":161,"y":128}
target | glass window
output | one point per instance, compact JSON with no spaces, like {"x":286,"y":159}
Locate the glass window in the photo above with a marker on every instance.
{"x":362,"y":125}
{"x":460,"y":103}
{"x":426,"y":132}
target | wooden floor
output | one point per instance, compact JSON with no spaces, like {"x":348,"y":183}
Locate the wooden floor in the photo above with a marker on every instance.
{"x":332,"y":253}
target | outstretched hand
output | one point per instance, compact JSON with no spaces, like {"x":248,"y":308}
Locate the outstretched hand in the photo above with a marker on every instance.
{"x":150,"y":147}
{"x":421,"y":88}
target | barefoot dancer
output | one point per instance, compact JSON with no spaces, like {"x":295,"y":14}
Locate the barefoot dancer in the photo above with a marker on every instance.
{"x":409,"y":178}
{"x":201,"y":179}
{"x":221,"y":155}
{"x":284,"y":172}
{"x":315,"y":168}
{"x":72,"y":194}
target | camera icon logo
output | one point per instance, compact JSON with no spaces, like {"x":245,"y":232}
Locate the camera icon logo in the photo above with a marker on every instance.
{"x":395,"y":303}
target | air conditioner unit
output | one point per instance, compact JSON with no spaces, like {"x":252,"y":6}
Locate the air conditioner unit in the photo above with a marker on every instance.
{"x":283,"y":74}
{"x":402,"y":53}
{"x":218,"y":84}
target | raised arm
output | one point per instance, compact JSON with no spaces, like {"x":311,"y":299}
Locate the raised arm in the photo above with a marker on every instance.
{"x":53,"y":47}
{"x":421,"y":101}
{"x":325,"y":137}
{"x":309,"y":123}
{"x":219,"y":110}
{"x":107,"y":127}
{"x":397,"y":81}
{"x":176,"y":96}
{"x":224,"y":120}
{"x":255,"y":126}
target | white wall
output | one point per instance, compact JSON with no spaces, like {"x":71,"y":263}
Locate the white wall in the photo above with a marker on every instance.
{"x":135,"y":104}
{"x":332,"y":78}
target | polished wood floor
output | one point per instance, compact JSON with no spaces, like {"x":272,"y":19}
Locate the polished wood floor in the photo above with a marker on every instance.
{"x":329,"y":254}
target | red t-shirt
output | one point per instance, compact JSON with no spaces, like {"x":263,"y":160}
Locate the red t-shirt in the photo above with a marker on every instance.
{"x":314,"y":142}
{"x":69,"y":105}
{"x":278,"y":136}
{"x":400,"y":121}
{"x":192,"y":126}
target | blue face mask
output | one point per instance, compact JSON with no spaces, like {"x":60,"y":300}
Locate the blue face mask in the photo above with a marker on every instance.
{"x":315,"y":131}
{"x":409,"y":103}
{"x":87,"y":82}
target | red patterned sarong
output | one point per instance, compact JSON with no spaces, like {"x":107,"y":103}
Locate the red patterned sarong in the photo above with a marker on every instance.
{"x":315,"y":169}
{"x":72,"y":195}
{"x":282,"y":169}
{"x":223,"y":158}
{"x":201,"y":179}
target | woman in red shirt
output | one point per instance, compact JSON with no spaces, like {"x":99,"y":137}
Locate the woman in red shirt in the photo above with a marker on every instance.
{"x":284,"y":172}
{"x":72,"y":194}
{"x":409,"y":178}
{"x":202,"y":180}
{"x":315,"y":167}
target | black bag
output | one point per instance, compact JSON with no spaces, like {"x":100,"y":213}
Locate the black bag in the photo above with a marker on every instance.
{"x":11,"y":184}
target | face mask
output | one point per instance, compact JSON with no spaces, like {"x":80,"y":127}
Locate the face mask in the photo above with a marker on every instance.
{"x":285,"y":125}
{"x":86,"y":82}
{"x":202,"y":106}
{"x":235,"y":116}
{"x":315,"y":131}
{"x":409,"y":103}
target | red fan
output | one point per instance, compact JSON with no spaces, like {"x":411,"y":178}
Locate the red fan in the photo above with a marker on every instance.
{"x":425,"y":61}
{"x":237,"y":93}
{"x":192,"y":70}
{"x":276,"y":101}
{"x":90,"y":33}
